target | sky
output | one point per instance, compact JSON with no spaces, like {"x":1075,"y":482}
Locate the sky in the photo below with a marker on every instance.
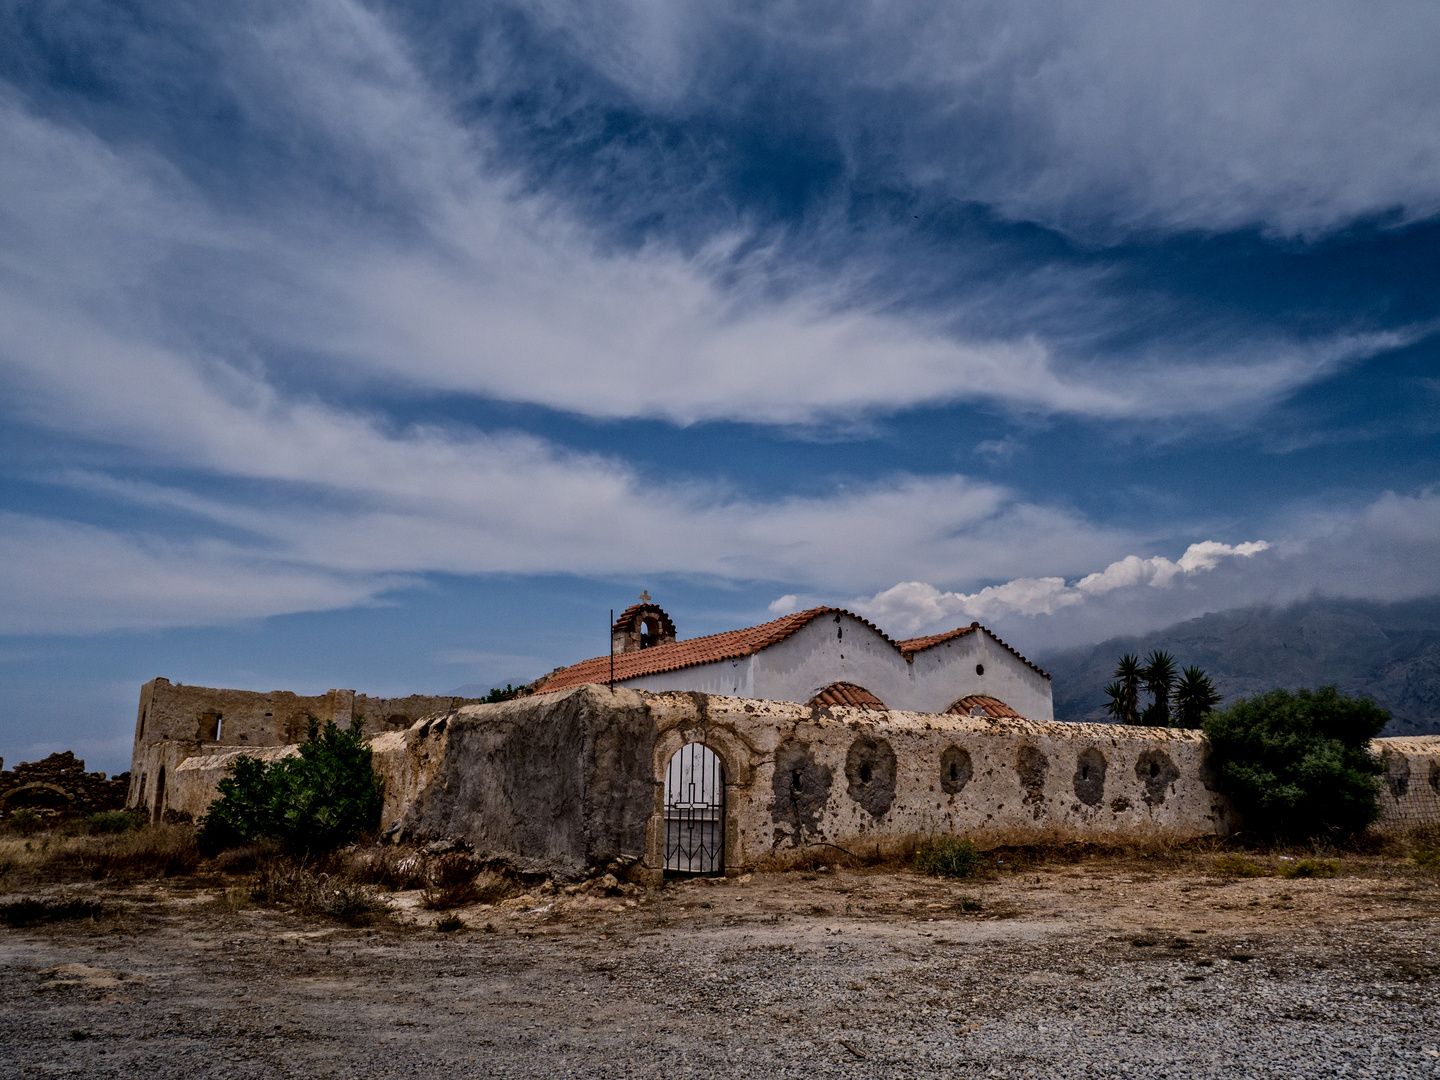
{"x":391,"y":346}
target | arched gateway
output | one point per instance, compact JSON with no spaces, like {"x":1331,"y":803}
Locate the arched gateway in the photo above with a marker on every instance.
{"x":695,"y":811}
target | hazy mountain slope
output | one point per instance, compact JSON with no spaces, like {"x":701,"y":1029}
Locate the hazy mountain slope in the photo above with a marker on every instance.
{"x":1390,"y":652}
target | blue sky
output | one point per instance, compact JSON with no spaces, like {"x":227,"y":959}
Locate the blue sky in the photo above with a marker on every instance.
{"x":390,"y":346}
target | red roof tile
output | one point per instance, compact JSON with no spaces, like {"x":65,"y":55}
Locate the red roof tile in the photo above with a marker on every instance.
{"x":988,"y":706}
{"x":847,"y":693}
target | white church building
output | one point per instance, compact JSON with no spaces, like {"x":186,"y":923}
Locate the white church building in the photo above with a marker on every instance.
{"x":823,"y":656}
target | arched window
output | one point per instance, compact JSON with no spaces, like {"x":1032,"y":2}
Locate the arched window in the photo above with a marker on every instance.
{"x":695,"y":811}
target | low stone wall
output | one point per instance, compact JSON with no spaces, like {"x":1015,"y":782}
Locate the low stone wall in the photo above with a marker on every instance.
{"x":1410,"y":785}
{"x":565,"y":782}
{"x":570,"y":780}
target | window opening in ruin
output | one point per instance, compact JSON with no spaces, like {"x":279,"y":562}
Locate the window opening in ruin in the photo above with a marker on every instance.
{"x":865,"y":773}
{"x":1084,"y":771}
{"x":219,"y":725}
{"x":141,"y":800}
{"x":1154,"y":769}
{"x":695,"y":811}
{"x":795,"y":778}
{"x":979,"y":669}
{"x":954,"y":771}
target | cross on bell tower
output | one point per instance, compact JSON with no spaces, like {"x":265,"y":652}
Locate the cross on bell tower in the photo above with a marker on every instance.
{"x":645,"y":596}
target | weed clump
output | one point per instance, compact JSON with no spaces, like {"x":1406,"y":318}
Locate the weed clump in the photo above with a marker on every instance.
{"x":1427,"y":860}
{"x":450,"y":923}
{"x":1310,"y":868}
{"x":1239,"y":866}
{"x":29,"y":911}
{"x":948,"y":858}
{"x":115,"y":821}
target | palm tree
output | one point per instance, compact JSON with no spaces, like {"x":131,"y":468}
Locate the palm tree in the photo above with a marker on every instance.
{"x":1159,"y":676}
{"x":1116,"y":705}
{"x":1195,"y":698}
{"x":1127,"y":702}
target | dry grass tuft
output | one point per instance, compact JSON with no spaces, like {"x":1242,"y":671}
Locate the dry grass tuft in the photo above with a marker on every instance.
{"x":284,"y":882}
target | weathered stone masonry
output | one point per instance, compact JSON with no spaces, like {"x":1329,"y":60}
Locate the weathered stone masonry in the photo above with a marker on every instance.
{"x":563,"y":782}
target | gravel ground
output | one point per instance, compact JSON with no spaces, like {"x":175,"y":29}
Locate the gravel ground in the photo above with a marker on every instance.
{"x":1106,"y":967}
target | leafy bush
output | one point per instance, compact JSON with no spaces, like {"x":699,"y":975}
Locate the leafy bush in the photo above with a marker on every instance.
{"x":1428,"y":860}
{"x":314,"y":802}
{"x":497,"y":695}
{"x":1298,"y":764}
{"x":948,"y":858}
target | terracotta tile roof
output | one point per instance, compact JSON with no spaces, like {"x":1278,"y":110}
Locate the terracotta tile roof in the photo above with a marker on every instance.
{"x":912,"y":646}
{"x":847,"y":693}
{"x":657,"y":659}
{"x":731,"y":645}
{"x":988,"y":706}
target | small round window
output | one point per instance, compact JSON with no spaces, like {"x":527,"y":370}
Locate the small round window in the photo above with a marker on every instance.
{"x":979,"y":669}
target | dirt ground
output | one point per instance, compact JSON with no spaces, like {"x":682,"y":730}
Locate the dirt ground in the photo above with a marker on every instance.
{"x":1103,"y":966}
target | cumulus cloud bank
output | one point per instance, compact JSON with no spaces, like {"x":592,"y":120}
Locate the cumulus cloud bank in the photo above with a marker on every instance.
{"x":911,"y":605}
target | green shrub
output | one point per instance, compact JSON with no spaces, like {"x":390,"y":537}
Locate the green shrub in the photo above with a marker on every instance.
{"x":948,"y":858}
{"x":1298,"y":764}
{"x":1428,"y":860}
{"x":314,"y":802}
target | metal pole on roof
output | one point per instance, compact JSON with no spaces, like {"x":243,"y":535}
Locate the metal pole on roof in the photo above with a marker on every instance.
{"x":608,"y":631}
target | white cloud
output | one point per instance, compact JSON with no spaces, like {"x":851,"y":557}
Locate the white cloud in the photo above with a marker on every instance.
{"x":1101,"y":115}
{"x":123,"y":281}
{"x":61,"y":577}
{"x":911,"y":605}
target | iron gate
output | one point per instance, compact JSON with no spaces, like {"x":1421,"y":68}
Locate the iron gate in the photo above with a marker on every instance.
{"x":695,"y":811}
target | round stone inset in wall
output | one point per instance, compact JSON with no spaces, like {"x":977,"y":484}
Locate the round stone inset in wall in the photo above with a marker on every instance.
{"x":955,"y":770}
{"x":870,"y":772}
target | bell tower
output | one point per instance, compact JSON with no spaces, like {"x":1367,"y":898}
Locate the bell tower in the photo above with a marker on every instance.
{"x":641,"y":626}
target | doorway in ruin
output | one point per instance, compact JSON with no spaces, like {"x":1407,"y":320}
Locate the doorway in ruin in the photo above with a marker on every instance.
{"x":159,"y":814}
{"x":695,"y":811}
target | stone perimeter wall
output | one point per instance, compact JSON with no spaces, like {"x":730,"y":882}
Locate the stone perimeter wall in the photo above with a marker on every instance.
{"x":565,"y":782}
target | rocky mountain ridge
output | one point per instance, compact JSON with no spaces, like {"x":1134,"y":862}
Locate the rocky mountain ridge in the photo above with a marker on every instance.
{"x":1388,"y":652}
